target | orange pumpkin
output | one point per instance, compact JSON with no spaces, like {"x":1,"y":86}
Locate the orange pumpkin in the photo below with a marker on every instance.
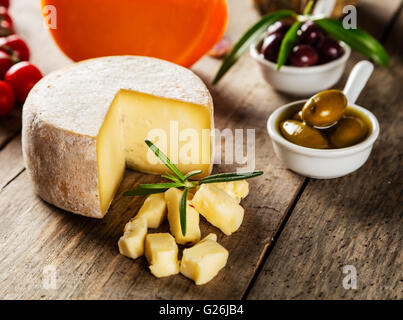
{"x":181,"y":31}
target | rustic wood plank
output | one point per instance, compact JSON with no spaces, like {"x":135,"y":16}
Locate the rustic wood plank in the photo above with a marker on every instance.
{"x":10,"y":125}
{"x":11,"y":160}
{"x":354,"y":220}
{"x":84,"y":251}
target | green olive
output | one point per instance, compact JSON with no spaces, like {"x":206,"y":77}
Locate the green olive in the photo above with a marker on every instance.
{"x":325,"y":108}
{"x":303,"y":135}
{"x":347,"y":132}
{"x":297,"y":116}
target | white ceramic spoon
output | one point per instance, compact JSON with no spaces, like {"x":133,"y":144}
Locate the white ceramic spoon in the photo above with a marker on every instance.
{"x":324,"y":8}
{"x":357,"y":80}
{"x":355,"y":83}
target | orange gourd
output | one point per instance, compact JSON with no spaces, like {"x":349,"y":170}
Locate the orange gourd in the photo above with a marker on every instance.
{"x":181,"y":31}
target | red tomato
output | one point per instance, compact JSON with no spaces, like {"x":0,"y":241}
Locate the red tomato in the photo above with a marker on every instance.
{"x":15,"y":44}
{"x":5,"y":63}
{"x":6,"y":28}
{"x":4,"y":15}
{"x":22,"y":77}
{"x":5,"y":3}
{"x":6,"y":98}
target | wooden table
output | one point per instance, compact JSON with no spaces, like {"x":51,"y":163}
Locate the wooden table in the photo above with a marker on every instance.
{"x":297,"y":235}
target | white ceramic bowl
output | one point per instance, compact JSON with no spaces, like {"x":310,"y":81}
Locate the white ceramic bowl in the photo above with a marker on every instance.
{"x":301,"y":81}
{"x":319,"y":163}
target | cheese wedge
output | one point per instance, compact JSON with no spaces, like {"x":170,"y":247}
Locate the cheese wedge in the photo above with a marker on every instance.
{"x":172,"y":198}
{"x":154,"y":209}
{"x":219,"y":208}
{"x":204,"y":260}
{"x":131,"y":244}
{"x":236,"y":189}
{"x":162,"y":254}
{"x":83,"y":124}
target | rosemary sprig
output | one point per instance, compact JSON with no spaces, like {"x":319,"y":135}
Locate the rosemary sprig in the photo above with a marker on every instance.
{"x":181,"y":181}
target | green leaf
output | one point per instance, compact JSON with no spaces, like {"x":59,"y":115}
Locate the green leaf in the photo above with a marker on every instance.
{"x":170,"y":177}
{"x":165,"y":160}
{"x":143,"y":192}
{"x":182,"y":210}
{"x":308,"y":8}
{"x":249,"y":37}
{"x":192,"y":173}
{"x":288,"y":42}
{"x":357,"y":39}
{"x":161,"y":185}
{"x":232,"y":176}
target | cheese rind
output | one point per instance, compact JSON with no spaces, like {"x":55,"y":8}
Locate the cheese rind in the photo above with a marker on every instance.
{"x":161,"y":252}
{"x":72,"y":120}
{"x":219,"y":208}
{"x":131,"y":244}
{"x":154,"y":209}
{"x":172,"y":198}
{"x":204,"y":260}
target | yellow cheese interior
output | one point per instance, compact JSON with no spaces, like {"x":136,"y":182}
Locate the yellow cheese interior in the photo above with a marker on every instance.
{"x":128,"y":123}
{"x":203,"y":261}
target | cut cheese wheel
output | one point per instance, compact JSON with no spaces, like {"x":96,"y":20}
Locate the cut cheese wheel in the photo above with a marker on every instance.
{"x":82,"y":125}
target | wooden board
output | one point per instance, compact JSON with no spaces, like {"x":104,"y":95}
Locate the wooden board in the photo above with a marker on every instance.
{"x":84,"y":251}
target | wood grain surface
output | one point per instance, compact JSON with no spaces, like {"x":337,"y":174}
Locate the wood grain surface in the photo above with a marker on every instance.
{"x":317,"y":226}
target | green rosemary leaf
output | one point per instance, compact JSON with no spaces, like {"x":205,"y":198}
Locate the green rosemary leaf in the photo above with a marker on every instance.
{"x":143,"y":192}
{"x":230,"y":176}
{"x":165,"y":160}
{"x":182,"y":210}
{"x":192,"y":173}
{"x":161,"y":185}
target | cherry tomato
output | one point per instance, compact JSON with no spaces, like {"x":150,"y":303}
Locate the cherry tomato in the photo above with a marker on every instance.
{"x":16,"y":45}
{"x":4,"y":15}
{"x":22,"y":77}
{"x":5,"y":63}
{"x":6,"y":98}
{"x":5,"y":3}
{"x":6,"y":28}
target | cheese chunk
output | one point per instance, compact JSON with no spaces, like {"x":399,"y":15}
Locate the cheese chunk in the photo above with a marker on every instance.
{"x":204,"y":260}
{"x":131,"y":244}
{"x":154,"y":209}
{"x":172,"y":198}
{"x":84,"y":124}
{"x":162,"y":254}
{"x":219,"y":208}
{"x":237,"y":189}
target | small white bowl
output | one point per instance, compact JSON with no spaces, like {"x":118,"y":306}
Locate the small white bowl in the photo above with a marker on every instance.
{"x":301,"y":81}
{"x":319,"y":163}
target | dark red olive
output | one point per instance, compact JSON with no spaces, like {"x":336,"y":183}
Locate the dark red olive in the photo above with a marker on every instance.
{"x":303,"y":55}
{"x":279,"y":26}
{"x":271,"y":46}
{"x":310,"y":33}
{"x":330,"y":49}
